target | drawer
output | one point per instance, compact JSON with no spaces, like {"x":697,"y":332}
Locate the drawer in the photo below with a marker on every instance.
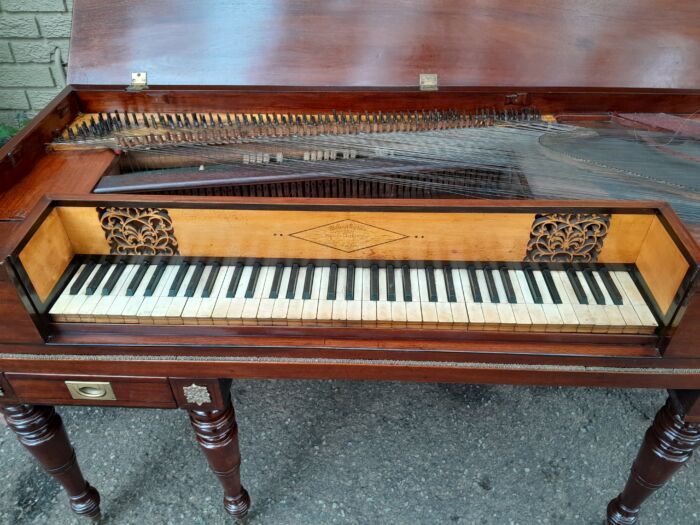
{"x":124,"y":391}
{"x":7,"y":395}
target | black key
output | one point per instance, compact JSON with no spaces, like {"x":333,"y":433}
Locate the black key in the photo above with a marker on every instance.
{"x":308,"y":282}
{"x":491,"y":285}
{"x":390,"y":283}
{"x":610,"y":285}
{"x":113,"y":278}
{"x":235,"y":280}
{"x":406,"y":281}
{"x":97,"y":278}
{"x":593,"y":285}
{"x":209,"y":285}
{"x":138,"y":277}
{"x":532,"y":284}
{"x":253,"y":281}
{"x":507,"y":285}
{"x":553,"y":292}
{"x":332,"y":282}
{"x":474,"y":284}
{"x":155,"y":279}
{"x":449,"y":285}
{"x":276,"y":281}
{"x":350,"y":283}
{"x":80,"y":281}
{"x":179,"y":277}
{"x":374,"y":283}
{"x":576,"y":285}
{"x":430,"y":282}
{"x":194,"y":280}
{"x":292,"y":285}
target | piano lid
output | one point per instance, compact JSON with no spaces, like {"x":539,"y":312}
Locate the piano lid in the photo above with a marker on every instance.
{"x":388,"y":43}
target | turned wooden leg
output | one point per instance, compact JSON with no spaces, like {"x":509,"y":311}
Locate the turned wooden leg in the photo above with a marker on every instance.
{"x":667,"y":445}
{"x":41,"y":432}
{"x":217,"y":434}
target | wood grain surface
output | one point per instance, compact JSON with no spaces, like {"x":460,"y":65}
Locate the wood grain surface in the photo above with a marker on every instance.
{"x":626,"y":43}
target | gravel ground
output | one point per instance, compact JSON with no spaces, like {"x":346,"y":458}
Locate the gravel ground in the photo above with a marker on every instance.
{"x":324,"y":452}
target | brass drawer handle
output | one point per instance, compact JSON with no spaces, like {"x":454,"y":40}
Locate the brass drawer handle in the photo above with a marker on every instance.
{"x":91,"y":390}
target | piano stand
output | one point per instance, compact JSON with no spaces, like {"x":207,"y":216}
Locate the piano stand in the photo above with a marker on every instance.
{"x":668,"y":444}
{"x":41,"y":431}
{"x":217,"y":434}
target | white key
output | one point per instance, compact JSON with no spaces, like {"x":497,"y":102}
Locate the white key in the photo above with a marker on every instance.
{"x":149,"y":303}
{"x":535,"y":311}
{"x":86,"y":309}
{"x":551,"y":312}
{"x":206,"y":307}
{"x":237,"y":302}
{"x":70,"y":313}
{"x":296,"y":305}
{"x":475,"y":311}
{"x":340,"y":305}
{"x":101,"y":311}
{"x":369,"y":307}
{"x":249,"y":314}
{"x":523,"y":321}
{"x":160,"y":310}
{"x":281,"y":304}
{"x":628,"y":311}
{"x":615,"y":323}
{"x":354,"y":307}
{"x":428,"y":310}
{"x":174,"y":313}
{"x":324,"y":314}
{"x":310,"y":306}
{"x":191,"y":309}
{"x":414,"y":313}
{"x":570,"y":307}
{"x":635,"y":298}
{"x":130,"y":311}
{"x":59,"y":306}
{"x":505,"y":309}
{"x":266,"y":306}
{"x":442,"y":306}
{"x":398,"y":307}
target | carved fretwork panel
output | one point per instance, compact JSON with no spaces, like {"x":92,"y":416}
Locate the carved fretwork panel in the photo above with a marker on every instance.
{"x":138,"y":231}
{"x":567,"y":237}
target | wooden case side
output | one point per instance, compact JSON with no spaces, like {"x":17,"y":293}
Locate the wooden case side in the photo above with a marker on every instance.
{"x":684,"y":338}
{"x":16,"y":323}
{"x":662,"y":265}
{"x":46,"y":255}
{"x":19,"y":156}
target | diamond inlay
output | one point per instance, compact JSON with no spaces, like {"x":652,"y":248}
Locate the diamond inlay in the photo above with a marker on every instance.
{"x":348,"y":235}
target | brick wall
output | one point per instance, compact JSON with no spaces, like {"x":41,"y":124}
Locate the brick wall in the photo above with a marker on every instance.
{"x":33,"y":54}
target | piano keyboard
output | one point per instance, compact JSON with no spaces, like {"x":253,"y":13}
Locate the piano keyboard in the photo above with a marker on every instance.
{"x":480,"y":296}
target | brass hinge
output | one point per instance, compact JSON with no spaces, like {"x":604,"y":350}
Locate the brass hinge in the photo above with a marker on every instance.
{"x":139,"y":81}
{"x":428,"y":82}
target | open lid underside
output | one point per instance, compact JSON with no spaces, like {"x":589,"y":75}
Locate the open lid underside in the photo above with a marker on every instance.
{"x":388,"y":43}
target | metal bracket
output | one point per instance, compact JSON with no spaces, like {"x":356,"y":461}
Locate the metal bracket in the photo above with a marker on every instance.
{"x":428,"y":82}
{"x":91,"y":390}
{"x":139,"y":81}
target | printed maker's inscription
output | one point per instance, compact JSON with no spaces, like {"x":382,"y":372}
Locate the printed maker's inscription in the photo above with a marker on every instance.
{"x":348,"y":236}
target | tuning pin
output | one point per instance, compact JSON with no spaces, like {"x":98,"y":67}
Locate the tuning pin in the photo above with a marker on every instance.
{"x":117,"y":116}
{"x":127,"y":120}
{"x":178,"y":121}
{"x":71,"y":135}
{"x":203,"y":121}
